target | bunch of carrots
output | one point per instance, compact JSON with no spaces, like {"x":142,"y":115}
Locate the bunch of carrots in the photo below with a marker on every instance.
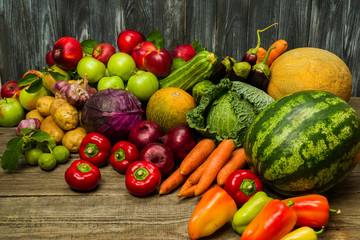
{"x":204,"y":167}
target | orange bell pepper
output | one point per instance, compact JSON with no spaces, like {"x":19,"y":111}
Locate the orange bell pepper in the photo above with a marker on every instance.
{"x":312,"y":210}
{"x":273,"y":222}
{"x":215,"y":208}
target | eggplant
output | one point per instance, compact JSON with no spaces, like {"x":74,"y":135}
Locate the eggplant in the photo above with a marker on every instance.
{"x":250,"y":56}
{"x":222,"y":69}
{"x":260,"y":73}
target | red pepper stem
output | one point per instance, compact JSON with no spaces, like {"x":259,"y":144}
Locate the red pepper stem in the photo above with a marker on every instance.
{"x":290,"y":203}
{"x":248,"y":187}
{"x":84,"y":167}
{"x":141,"y":174}
{"x":91,"y":150}
{"x":320,"y":231}
{"x":120,"y":155}
{"x":335,"y":211}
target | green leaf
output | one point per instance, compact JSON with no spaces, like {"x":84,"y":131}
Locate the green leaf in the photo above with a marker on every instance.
{"x":177,"y":62}
{"x":57,"y":76}
{"x":40,"y":136}
{"x":28,"y":79}
{"x":157,"y":39}
{"x":35,"y":86}
{"x":15,"y":144}
{"x":88,"y":46}
{"x":10,"y":159}
{"x":26,"y":131}
{"x":197,"y":46}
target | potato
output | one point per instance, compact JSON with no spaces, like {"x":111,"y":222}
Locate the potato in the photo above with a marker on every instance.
{"x":72,"y":139}
{"x":43,"y":105}
{"x":55,"y":104}
{"x":65,"y":115}
{"x":49,"y":126}
{"x":34,"y":114}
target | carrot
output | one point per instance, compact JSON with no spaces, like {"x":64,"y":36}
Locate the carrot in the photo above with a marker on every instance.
{"x":185,"y":187}
{"x":236,"y":161}
{"x":197,"y":156}
{"x":196,"y":174}
{"x":172,"y":182}
{"x":217,"y":160}
{"x":260,"y":55}
{"x":190,"y":192}
{"x":275,"y":53}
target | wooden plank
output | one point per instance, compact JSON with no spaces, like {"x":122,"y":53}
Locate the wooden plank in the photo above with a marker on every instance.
{"x":146,"y":16}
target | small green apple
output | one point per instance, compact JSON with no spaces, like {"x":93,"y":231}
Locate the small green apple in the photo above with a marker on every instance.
{"x":11,"y":112}
{"x":92,"y":67}
{"x":121,"y":64}
{"x":110,"y":82}
{"x":28,"y":100}
{"x":143,"y":84}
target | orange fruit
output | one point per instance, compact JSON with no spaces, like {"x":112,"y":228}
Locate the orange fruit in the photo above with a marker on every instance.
{"x":168,"y":106}
{"x":308,"y":68}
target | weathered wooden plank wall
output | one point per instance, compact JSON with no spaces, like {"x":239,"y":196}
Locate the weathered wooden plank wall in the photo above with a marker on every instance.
{"x":28,"y":28}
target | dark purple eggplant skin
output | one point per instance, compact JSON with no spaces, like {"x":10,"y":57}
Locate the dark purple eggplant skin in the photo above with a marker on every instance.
{"x":222,"y":69}
{"x":250,"y":58}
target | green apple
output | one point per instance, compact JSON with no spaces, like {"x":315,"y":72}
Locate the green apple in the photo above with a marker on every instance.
{"x":92,"y":67}
{"x":121,"y":64}
{"x":143,"y":84}
{"x":11,"y":112}
{"x":110,"y":82}
{"x":28,"y":100}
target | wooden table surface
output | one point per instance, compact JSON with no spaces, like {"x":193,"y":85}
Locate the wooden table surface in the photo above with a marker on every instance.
{"x":36,"y":204}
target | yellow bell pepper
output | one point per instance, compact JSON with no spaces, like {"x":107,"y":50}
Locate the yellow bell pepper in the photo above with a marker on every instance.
{"x":303,"y":233}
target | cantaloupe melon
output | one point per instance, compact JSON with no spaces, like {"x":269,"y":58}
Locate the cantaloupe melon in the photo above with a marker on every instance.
{"x":309,"y":69}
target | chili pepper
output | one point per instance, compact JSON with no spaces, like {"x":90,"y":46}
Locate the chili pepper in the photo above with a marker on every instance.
{"x":142,"y":178}
{"x":260,"y":73}
{"x":242,"y":184}
{"x":250,"y":56}
{"x":312,"y":210}
{"x":82,"y":175}
{"x":303,"y":233}
{"x":249,"y":210}
{"x":273,"y":222}
{"x":215,"y":208}
{"x":122,"y":155}
{"x":95,"y":148}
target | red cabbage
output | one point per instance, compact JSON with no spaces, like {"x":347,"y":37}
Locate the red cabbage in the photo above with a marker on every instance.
{"x":112,"y":113}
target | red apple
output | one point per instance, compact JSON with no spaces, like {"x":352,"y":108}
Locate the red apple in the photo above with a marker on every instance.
{"x":128,"y":39}
{"x":159,"y":154}
{"x":139,"y":52}
{"x":49,"y":60}
{"x":103,"y":52}
{"x":9,"y":89}
{"x":158,"y":62}
{"x":67,"y":52}
{"x":184,"y":51}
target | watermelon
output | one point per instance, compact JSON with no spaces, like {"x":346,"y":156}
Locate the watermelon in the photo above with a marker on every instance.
{"x":305,"y":142}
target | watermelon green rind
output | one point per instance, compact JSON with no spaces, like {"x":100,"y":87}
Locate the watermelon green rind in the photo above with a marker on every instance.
{"x":304,"y":142}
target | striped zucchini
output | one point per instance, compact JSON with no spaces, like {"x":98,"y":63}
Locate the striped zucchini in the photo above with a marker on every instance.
{"x":306,"y":142}
{"x":191,"y":72}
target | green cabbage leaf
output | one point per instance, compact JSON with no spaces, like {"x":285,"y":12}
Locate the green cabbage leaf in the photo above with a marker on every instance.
{"x":227,"y":109}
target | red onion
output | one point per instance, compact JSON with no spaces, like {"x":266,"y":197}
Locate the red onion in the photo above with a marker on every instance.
{"x":32,"y":123}
{"x":180,"y":139}
{"x":143,"y":133}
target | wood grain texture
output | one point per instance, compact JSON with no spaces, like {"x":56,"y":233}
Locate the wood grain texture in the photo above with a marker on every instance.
{"x":226,"y":27}
{"x":37,"y":204}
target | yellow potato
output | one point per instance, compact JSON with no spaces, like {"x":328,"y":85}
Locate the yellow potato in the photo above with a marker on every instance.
{"x":48,"y":125}
{"x":72,"y":139}
{"x":65,"y":115}
{"x":43,"y":105}
{"x":55,"y":104}
{"x":34,"y":114}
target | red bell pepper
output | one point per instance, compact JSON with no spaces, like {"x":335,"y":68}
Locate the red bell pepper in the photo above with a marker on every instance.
{"x":312,"y":210}
{"x":215,"y":208}
{"x":82,"y":175}
{"x":122,"y":155}
{"x":273,"y":222}
{"x":142,"y":178}
{"x":242,"y":184}
{"x":95,"y":148}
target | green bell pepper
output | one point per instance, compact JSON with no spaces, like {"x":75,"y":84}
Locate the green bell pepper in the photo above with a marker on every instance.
{"x":249,"y":210}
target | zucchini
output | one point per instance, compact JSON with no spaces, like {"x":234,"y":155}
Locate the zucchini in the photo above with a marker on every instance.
{"x":190,"y":73}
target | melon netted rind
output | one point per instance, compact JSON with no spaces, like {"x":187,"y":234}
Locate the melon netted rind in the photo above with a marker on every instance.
{"x":304,"y":143}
